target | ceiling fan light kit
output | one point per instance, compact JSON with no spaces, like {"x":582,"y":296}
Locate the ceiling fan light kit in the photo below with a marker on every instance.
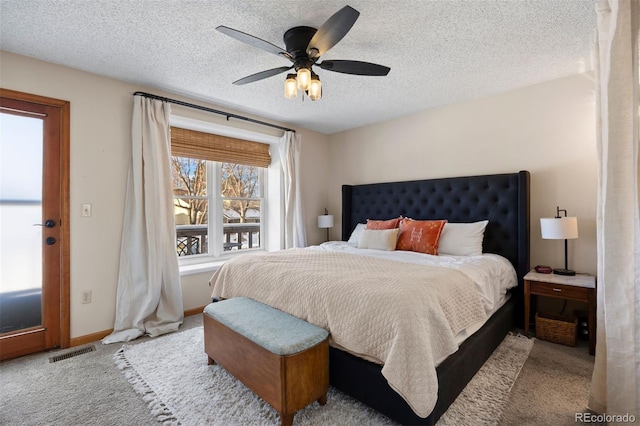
{"x":304,"y":46}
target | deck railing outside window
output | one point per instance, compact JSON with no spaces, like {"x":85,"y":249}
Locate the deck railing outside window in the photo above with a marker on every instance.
{"x":193,"y":239}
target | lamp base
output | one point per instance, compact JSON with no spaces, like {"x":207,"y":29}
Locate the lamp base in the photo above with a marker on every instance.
{"x":567,"y":272}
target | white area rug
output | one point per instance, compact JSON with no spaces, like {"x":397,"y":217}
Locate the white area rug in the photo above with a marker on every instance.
{"x":172,"y":375}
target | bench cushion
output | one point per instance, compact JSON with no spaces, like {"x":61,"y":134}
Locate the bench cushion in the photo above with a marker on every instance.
{"x":274,"y":330}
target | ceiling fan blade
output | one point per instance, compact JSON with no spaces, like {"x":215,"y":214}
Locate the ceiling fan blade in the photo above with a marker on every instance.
{"x":261,"y":75}
{"x":253,"y":41}
{"x":354,"y":67}
{"x":332,"y":31}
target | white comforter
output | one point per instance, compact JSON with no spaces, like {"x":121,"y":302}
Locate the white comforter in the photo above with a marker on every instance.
{"x":403,"y":314}
{"x":493,"y":275}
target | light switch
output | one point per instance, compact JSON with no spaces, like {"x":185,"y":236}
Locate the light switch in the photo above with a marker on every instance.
{"x":86,"y":210}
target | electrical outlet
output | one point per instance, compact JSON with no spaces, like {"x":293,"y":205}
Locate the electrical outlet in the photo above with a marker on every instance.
{"x":86,"y":297}
{"x":86,"y":210}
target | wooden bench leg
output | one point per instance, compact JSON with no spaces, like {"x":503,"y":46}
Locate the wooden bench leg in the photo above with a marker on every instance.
{"x":286,"y":419}
{"x":323,"y":399}
{"x":210,"y":361}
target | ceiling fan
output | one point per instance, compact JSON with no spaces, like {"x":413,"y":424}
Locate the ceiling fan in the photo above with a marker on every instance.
{"x":304,"y":46}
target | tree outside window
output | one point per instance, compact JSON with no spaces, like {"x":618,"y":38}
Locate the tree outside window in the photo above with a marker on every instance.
{"x":190,"y":185}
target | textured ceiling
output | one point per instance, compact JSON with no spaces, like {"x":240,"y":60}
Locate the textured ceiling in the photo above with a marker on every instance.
{"x":439,"y":51}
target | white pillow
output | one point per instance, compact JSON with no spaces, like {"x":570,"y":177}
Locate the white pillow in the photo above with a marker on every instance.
{"x":462,"y":239}
{"x":356,"y":234}
{"x":378,"y":239}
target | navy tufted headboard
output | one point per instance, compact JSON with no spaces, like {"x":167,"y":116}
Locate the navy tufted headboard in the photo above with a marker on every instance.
{"x":503,"y":199}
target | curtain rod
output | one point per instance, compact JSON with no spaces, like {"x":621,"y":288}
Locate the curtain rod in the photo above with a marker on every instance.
{"x":214,"y":111}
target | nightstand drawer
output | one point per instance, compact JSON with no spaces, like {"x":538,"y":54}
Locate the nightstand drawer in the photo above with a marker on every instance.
{"x":559,"y":290}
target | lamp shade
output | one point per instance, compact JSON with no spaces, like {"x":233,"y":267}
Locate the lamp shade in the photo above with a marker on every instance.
{"x":325,"y":221}
{"x":315,"y":89}
{"x":304,"y":78}
{"x":563,"y":228}
{"x":290,"y":87}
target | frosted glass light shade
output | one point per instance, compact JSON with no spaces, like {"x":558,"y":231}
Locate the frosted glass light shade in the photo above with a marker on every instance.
{"x":290,"y":87}
{"x":325,"y":221}
{"x":304,"y":78}
{"x":564,"y":228}
{"x":315,"y":89}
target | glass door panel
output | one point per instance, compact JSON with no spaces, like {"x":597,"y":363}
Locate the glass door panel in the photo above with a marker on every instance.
{"x":21,"y":162}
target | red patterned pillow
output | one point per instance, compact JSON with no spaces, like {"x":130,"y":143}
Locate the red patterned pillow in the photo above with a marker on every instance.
{"x":383,"y":224}
{"x":421,"y":236}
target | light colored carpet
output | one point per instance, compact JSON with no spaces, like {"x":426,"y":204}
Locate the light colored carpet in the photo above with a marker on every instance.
{"x":89,"y":390}
{"x":180,"y":388}
{"x":483,"y":400}
{"x":552,"y":387}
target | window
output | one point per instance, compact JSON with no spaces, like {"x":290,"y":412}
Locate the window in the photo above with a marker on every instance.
{"x":218,"y":199}
{"x":220,"y":190}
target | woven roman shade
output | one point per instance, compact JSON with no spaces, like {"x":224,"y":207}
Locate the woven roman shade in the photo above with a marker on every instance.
{"x":207,"y":146}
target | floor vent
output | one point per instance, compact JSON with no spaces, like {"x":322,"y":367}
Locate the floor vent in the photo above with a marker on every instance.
{"x":72,"y":354}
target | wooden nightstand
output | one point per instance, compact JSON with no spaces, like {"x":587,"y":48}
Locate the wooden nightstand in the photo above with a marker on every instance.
{"x":578,"y":287}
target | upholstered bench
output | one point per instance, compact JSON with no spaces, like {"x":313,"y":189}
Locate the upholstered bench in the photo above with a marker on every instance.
{"x":281,"y":358}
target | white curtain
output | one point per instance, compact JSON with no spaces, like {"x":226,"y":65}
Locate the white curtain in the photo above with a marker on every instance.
{"x":615,"y":387}
{"x":294,"y":230}
{"x":149,"y":296}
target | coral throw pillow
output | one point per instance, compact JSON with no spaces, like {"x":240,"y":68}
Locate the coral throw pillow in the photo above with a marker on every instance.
{"x":421,"y":236}
{"x":383,"y":224}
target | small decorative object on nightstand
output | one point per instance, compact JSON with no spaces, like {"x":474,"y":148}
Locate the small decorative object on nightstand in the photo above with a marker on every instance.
{"x":578,"y":287}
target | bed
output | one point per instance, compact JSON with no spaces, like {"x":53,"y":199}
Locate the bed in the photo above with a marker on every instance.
{"x":501,"y":199}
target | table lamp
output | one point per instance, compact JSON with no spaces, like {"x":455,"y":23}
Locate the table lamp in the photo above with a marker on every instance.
{"x":325,"y":221}
{"x":560,"y":228}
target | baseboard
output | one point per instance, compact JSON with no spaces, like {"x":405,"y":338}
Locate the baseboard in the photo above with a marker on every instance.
{"x":194,"y":311}
{"x":93,"y":337}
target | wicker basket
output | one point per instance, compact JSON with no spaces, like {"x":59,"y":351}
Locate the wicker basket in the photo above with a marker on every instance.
{"x":556,"y":329}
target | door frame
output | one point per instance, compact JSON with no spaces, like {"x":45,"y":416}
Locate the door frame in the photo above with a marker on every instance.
{"x":64,"y":232}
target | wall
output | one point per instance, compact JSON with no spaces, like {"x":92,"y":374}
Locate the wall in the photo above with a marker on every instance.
{"x":548,"y":129}
{"x":100,"y":152}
